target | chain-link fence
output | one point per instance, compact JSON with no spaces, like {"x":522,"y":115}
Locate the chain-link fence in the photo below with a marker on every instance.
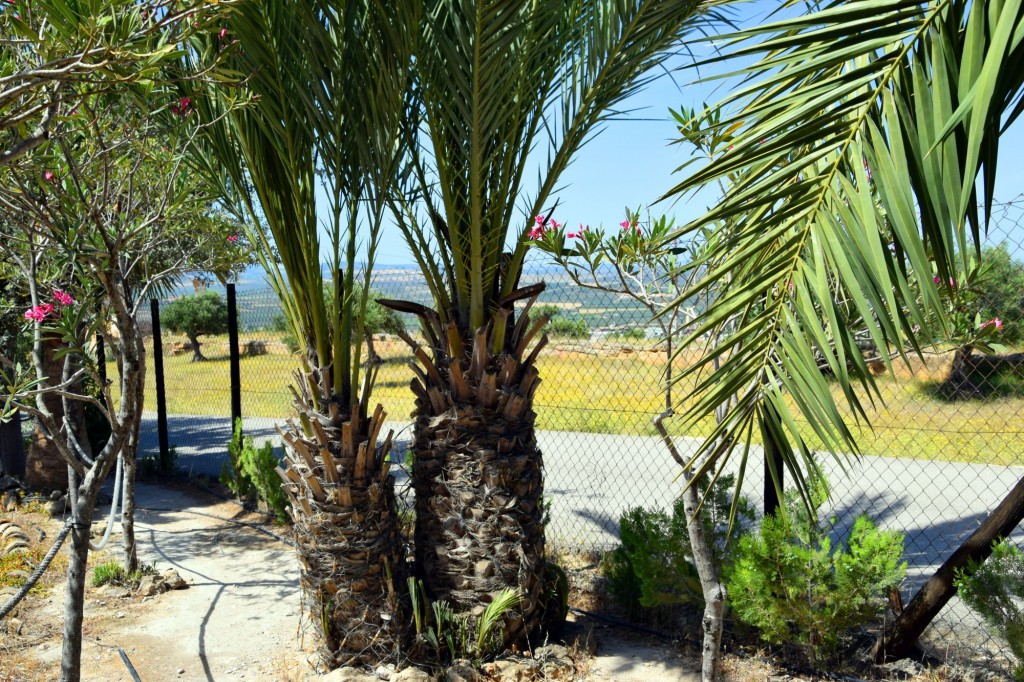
{"x":941,"y":452}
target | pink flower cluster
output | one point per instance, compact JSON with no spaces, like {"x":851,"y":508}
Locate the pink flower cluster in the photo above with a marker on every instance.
{"x":233,"y":239}
{"x":541,"y":224}
{"x":627,"y":226}
{"x":995,"y":321}
{"x":938,"y":280}
{"x":182,"y":107}
{"x":579,"y":234}
{"x":41,"y":312}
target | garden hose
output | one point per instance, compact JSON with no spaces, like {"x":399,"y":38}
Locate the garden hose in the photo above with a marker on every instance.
{"x":113,"y":508}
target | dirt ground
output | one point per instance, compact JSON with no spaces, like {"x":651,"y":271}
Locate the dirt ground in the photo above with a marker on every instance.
{"x":239,"y":617}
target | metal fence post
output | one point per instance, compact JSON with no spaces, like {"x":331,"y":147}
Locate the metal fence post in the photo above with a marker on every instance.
{"x":101,"y":358}
{"x":158,"y":370}
{"x":235,"y":369}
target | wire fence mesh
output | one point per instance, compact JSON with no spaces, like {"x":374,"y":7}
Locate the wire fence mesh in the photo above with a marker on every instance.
{"x":941,"y":452}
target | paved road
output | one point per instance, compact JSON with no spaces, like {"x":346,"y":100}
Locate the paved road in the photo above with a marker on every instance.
{"x":592,"y":478}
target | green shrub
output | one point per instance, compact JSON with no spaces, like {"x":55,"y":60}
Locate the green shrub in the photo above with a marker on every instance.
{"x":113,"y":573}
{"x":653,"y":565}
{"x":250,"y":473}
{"x":995,"y":589}
{"x":788,"y":582}
{"x":630,"y":334}
{"x":568,"y":328}
{"x":232,"y":475}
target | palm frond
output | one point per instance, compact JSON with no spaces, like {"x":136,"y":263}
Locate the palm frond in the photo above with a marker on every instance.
{"x":853,"y":195}
{"x":497,"y":80}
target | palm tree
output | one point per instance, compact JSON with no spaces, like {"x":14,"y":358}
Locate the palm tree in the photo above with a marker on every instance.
{"x":860,"y":182}
{"x":495,"y":81}
{"x":326,"y":87}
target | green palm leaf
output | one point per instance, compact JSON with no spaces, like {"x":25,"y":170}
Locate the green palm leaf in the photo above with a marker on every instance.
{"x":858,"y":143}
{"x":497,"y":80}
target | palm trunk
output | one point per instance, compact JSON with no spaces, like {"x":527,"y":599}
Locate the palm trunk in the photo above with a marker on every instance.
{"x":346,"y":527}
{"x":197,"y":355}
{"x":478,"y":474}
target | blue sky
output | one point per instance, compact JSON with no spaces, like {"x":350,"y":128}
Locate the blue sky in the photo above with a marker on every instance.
{"x":632,"y":161}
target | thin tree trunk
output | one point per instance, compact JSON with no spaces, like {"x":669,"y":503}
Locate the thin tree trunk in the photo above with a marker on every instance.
{"x":197,"y":355}
{"x":130,"y":452}
{"x":898,"y":641}
{"x":710,"y":582}
{"x":74,"y":596}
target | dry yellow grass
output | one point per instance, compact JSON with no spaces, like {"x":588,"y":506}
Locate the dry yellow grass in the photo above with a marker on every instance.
{"x":618,"y":392}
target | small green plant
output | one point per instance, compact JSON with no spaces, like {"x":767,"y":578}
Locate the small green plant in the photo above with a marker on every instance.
{"x":449,"y":636}
{"x":153,"y":464}
{"x":994,"y":589}
{"x":113,"y":573}
{"x":787,"y":581}
{"x":231,"y":474}
{"x":653,"y":565}
{"x":250,"y":473}
{"x":561,"y":326}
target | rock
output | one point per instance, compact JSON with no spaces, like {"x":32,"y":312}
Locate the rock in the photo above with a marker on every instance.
{"x":56,"y":495}
{"x":56,"y":508}
{"x":513,"y":670}
{"x":173,"y":580}
{"x":115,"y":591}
{"x":461,"y":671}
{"x":9,"y":482}
{"x":151,"y":584}
{"x":411,"y":675}
{"x":13,"y":626}
{"x":555,"y":662}
{"x":345,"y":675}
{"x":382,"y":673}
{"x":902,"y":669}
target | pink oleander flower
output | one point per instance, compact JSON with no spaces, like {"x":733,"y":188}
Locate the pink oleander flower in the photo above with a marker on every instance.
{"x":936,"y":279}
{"x":223,"y":33}
{"x":537,"y":232}
{"x":233,"y":238}
{"x":39,"y":312}
{"x":554,"y":224}
{"x":539,"y":220}
{"x":48,"y":175}
{"x":571,"y":235}
{"x":63,"y":297}
{"x":995,"y":321}
{"x":182,"y":107}
{"x":624,"y":225}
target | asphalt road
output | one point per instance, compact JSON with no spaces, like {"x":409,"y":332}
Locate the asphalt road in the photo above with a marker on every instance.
{"x":592,"y":478}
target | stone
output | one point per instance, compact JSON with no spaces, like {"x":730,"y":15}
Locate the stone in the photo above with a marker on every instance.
{"x":411,"y":675}
{"x":56,"y":508}
{"x":10,"y":501}
{"x":345,"y":675}
{"x":513,"y":670}
{"x":150,"y":585}
{"x":382,"y":673}
{"x":902,"y":669}
{"x":555,"y":662}
{"x":115,"y":591}
{"x":173,"y":580}
{"x":56,"y":495}
{"x":13,"y":626}
{"x":462,"y":671}
{"x":8,"y":482}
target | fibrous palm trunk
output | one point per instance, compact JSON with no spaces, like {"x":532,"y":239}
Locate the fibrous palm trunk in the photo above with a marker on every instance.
{"x":477,"y":470}
{"x":346,"y":526}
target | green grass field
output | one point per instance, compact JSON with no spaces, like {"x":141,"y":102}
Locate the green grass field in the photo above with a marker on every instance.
{"x":615,"y":392}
